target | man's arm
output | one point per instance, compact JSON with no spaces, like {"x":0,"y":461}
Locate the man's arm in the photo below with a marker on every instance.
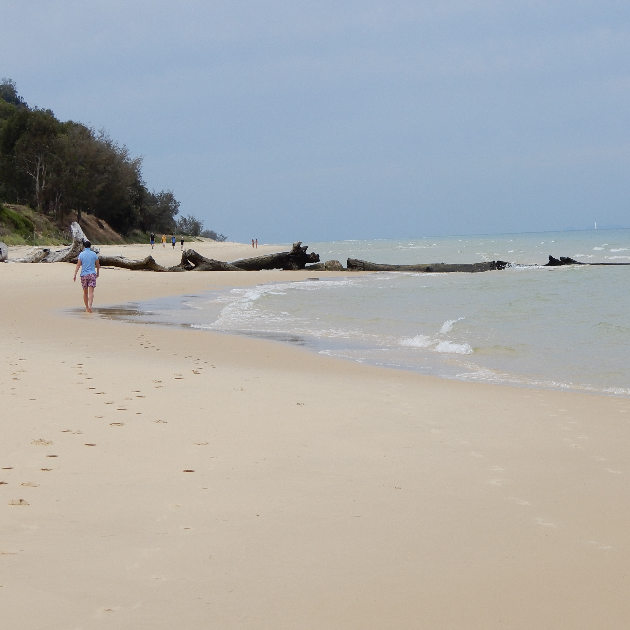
{"x":97,"y":264}
{"x":76,"y":269}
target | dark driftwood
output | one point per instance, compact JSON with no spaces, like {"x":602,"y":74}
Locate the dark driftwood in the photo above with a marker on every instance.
{"x":194,"y":261}
{"x":297,"y":258}
{"x":564,"y":260}
{"x":559,"y":262}
{"x":146,"y":264}
{"x":363,"y":265}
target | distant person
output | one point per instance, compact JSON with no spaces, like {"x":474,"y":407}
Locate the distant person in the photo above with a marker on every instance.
{"x":173,"y":240}
{"x":163,"y":240}
{"x":182,"y":242}
{"x":90,"y":268}
{"x":256,"y":243}
{"x":152,"y":240}
{"x":252,"y":242}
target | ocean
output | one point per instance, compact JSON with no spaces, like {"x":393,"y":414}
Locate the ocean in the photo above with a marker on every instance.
{"x":528,"y":325}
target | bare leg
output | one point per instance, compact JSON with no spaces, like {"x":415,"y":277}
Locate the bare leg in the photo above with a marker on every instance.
{"x":85,"y":300}
{"x":90,"y":299}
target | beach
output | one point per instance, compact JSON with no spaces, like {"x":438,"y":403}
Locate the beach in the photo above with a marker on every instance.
{"x":160,"y":477}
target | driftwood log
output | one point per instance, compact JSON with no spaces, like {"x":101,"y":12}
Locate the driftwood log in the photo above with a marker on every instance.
{"x":564,"y":260}
{"x":4,"y":252}
{"x":297,"y":258}
{"x":363,"y":265}
{"x":67,"y":254}
{"x":146,"y":264}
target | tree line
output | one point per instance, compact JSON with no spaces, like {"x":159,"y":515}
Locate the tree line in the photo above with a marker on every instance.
{"x":64,"y":169}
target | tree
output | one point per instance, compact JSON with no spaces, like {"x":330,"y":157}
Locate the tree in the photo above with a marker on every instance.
{"x":8,"y":93}
{"x":213,"y":235}
{"x":158,"y":212}
{"x":189,"y":225}
{"x":34,"y":152}
{"x":61,"y":167}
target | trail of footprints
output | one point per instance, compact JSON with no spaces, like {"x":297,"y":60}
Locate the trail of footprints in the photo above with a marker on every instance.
{"x":499,"y":479}
{"x":84,"y":378}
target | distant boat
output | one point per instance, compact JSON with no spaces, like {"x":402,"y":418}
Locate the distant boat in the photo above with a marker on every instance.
{"x":595,"y":226}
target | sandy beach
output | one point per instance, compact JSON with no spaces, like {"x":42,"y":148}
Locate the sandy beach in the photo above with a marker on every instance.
{"x":154,"y":477}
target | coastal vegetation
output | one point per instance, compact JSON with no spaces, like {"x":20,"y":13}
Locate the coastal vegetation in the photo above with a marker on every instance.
{"x":63,"y":171}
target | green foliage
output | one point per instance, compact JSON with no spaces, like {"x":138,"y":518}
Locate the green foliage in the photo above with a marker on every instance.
{"x":213,"y":235}
{"x":8,"y":93}
{"x":64,"y":168}
{"x":16,"y":222}
{"x":158,"y":212}
{"x":189,"y":225}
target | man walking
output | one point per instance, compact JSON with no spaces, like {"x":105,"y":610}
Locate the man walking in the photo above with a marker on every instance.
{"x":90,"y":268}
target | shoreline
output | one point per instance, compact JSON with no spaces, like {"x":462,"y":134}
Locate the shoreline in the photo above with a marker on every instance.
{"x":171,"y":476}
{"x":321,"y":348}
{"x":317,"y":348}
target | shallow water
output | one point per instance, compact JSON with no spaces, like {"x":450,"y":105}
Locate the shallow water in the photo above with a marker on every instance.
{"x":564,"y":327}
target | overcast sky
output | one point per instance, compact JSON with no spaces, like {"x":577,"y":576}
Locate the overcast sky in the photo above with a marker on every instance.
{"x":291,"y":120}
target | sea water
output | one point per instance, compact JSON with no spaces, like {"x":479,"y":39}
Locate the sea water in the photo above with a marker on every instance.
{"x":531,"y":325}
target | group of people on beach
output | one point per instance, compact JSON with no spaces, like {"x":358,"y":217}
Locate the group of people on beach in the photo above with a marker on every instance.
{"x":173,"y":241}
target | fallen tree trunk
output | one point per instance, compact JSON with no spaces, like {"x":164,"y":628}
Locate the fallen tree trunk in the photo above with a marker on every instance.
{"x":146,"y":264}
{"x":4,"y":252}
{"x":564,"y":260}
{"x":67,"y":254}
{"x":559,"y":262}
{"x":363,"y":265}
{"x":297,"y":258}
{"x":193,"y":261}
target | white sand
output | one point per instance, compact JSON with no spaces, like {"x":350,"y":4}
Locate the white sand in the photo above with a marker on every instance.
{"x":322,"y":494}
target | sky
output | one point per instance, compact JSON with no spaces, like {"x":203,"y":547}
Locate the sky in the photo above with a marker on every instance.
{"x":288,"y":120}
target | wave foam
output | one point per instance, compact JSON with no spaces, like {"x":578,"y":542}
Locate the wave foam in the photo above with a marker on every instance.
{"x":453,"y":348}
{"x":447,"y":326}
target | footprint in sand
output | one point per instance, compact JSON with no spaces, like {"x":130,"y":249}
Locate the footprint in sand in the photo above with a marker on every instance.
{"x":18,"y":502}
{"x":116,"y":424}
{"x":518,"y":501}
{"x":41,"y":442}
{"x":599,"y":545}
{"x":613,"y":471}
{"x":498,"y":482}
{"x":548,"y":524}
{"x":29,"y":484}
